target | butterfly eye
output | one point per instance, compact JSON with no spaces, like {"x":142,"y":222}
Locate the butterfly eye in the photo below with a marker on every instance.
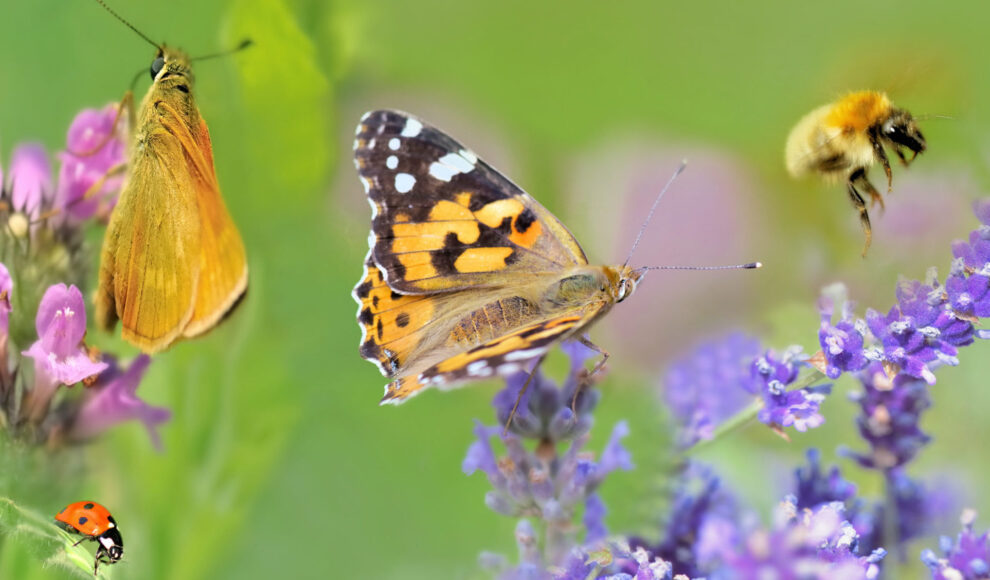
{"x":156,"y":66}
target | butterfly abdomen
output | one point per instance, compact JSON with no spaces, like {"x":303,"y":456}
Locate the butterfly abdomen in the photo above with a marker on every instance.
{"x":492,"y":320}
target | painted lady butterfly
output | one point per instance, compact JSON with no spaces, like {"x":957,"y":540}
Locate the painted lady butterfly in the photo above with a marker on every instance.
{"x":467,"y":276}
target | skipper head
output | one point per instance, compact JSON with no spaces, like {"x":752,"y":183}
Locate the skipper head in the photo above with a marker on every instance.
{"x":171,"y":69}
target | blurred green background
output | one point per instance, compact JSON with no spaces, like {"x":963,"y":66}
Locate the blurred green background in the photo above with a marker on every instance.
{"x":278,"y":460}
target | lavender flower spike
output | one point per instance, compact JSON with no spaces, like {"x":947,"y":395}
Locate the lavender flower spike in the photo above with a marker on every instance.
{"x":61,"y":325}
{"x":114,"y":400}
{"x":966,"y":559}
{"x":842,"y":344}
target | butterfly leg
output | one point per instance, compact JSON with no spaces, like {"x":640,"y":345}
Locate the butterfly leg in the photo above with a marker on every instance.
{"x":599,"y":366}
{"x":126,"y":102}
{"x":94,"y":189}
{"x":519,"y":397}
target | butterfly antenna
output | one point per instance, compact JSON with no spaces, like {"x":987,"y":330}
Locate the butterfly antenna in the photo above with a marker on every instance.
{"x":747,"y":266}
{"x":243,"y":44}
{"x":653,"y":209}
{"x":126,"y":23}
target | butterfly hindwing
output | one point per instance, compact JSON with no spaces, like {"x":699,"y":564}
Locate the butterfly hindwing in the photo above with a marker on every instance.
{"x":503,"y":355}
{"x":446,"y":220}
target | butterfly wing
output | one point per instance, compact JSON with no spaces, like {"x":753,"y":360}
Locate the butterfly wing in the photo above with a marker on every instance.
{"x":500,"y":356}
{"x":446,"y":220}
{"x":150,"y":263}
{"x":173,"y":262}
{"x":223,"y":274}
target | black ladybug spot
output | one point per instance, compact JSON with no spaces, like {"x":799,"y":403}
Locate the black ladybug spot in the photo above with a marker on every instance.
{"x":83,"y":520}
{"x":89,"y":506}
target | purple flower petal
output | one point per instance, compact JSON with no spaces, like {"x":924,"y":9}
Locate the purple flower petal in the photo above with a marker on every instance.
{"x":114,"y":400}
{"x":82,"y":166}
{"x":30,"y":178}
{"x":61,"y":325}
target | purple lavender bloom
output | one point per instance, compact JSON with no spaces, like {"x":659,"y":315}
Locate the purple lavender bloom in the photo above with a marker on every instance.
{"x":83,"y":164}
{"x":922,"y":331}
{"x":700,"y":525}
{"x":30,"y":178}
{"x":806,"y":544}
{"x":842,"y":343}
{"x":891,"y":411}
{"x":6,"y":287}
{"x":969,"y":295}
{"x":61,"y":326}
{"x":702,"y":389}
{"x":968,"y":558}
{"x":544,"y":410}
{"x":113,"y":399}
{"x":815,"y":487}
{"x":769,"y":377}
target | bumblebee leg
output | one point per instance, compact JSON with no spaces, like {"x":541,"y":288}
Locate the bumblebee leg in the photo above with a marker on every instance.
{"x":519,"y":397}
{"x":881,"y":156}
{"x":586,"y":380}
{"x":904,"y":160}
{"x":860,"y":205}
{"x":858,"y":179}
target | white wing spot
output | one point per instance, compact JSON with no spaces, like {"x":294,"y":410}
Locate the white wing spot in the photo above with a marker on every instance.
{"x":412,"y":128}
{"x":478,"y":367}
{"x":366,"y":183}
{"x":523,"y":354}
{"x":393,"y":143}
{"x":404,"y":182}
{"x":450,"y":165}
{"x":392,"y":162}
{"x":470,"y":156}
{"x":360,"y":127}
{"x":442,"y":172}
{"x":371,"y":143}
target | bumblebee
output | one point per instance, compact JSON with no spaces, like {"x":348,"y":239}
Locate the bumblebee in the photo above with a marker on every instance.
{"x":841,"y":140}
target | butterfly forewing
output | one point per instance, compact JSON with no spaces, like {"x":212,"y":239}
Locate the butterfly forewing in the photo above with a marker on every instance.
{"x":444,"y":219}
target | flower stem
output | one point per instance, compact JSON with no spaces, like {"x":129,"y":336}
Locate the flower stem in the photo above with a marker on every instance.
{"x":748,"y":413}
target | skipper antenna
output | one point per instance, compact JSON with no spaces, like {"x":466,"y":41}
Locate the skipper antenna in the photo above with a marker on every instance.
{"x":241,"y":46}
{"x":653,"y":209}
{"x":127,"y":24}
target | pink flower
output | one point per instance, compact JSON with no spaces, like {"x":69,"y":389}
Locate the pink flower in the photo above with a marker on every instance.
{"x":30,"y":178}
{"x":61,"y":325}
{"x":93,"y":147}
{"x":114,"y":400}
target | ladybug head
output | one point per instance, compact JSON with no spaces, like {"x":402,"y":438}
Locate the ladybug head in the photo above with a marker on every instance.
{"x":111,"y":545}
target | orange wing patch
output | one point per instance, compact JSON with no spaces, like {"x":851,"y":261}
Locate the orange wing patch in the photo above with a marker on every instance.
{"x":389,"y":321}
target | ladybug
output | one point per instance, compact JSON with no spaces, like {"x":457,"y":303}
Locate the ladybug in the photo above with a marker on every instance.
{"x":94,"y":522}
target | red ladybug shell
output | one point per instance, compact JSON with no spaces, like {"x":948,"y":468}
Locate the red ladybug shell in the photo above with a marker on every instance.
{"x":87,"y":517}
